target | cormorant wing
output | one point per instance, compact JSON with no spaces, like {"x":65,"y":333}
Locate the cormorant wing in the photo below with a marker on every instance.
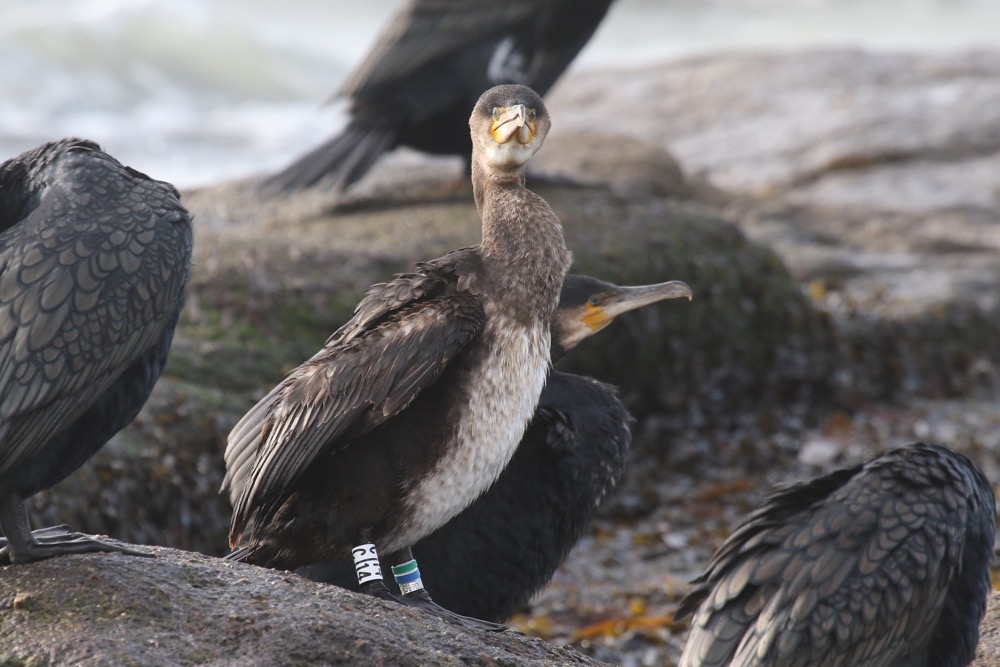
{"x":848,"y":569}
{"x":241,"y":449}
{"x":560,"y":32}
{"x":90,"y":263}
{"x":426,"y":30}
{"x":369,"y":371}
{"x":380,"y":300}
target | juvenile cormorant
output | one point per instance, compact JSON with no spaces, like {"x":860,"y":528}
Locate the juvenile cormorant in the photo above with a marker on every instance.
{"x":415,"y":406}
{"x":427,"y":69}
{"x":885,"y":564}
{"x":489,"y":560}
{"x":94,"y":258}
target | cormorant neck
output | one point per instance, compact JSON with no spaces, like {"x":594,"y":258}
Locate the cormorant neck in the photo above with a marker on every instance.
{"x":484,"y":179}
{"x":522,"y":244}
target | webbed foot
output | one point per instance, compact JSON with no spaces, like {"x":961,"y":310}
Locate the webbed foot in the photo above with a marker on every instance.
{"x":422,"y":600}
{"x":57,"y":541}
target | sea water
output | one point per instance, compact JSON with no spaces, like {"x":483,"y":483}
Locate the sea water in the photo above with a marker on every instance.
{"x":197,"y":91}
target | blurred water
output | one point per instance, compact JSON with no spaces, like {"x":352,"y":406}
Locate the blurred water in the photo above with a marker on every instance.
{"x":194,"y":91}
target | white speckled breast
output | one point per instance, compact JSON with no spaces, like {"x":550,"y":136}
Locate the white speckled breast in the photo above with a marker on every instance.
{"x":489,"y":432}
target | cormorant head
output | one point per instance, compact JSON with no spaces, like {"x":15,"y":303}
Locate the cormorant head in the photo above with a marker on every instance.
{"x":587,"y":305}
{"x":508,"y":126}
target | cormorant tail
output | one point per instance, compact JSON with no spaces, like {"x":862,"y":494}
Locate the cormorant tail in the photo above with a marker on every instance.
{"x":339,"y":161}
{"x":240,"y":554}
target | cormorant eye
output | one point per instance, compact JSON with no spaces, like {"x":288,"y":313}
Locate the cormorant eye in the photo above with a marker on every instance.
{"x":531,"y":115}
{"x":594,"y":300}
{"x":496,"y":113}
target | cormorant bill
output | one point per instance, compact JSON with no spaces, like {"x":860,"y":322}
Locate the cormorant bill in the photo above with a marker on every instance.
{"x":885,"y":564}
{"x":94,"y":259}
{"x":415,"y":406}
{"x":427,"y":69}
{"x":489,"y":560}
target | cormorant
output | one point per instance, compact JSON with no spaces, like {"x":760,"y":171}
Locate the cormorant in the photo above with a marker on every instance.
{"x":427,"y":69}
{"x":415,"y":406}
{"x":885,"y":564}
{"x":489,"y":560}
{"x":94,"y":259}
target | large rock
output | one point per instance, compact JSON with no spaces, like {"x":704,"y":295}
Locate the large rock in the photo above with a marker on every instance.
{"x":873,"y":176}
{"x":181,"y":608}
{"x":759,"y":123}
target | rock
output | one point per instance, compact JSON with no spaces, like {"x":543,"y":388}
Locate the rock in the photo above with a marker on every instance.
{"x":875,"y":177}
{"x":628,"y":165}
{"x":181,"y":608}
{"x":759,"y":123}
{"x":988,"y":651}
{"x":750,"y":335}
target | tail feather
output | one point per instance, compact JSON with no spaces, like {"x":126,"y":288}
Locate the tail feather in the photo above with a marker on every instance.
{"x":240,"y":554}
{"x":337,"y":162}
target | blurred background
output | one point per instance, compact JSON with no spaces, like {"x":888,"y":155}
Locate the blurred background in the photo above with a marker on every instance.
{"x":196,"y":91}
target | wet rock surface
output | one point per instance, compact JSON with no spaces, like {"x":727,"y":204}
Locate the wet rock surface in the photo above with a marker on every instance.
{"x":835,"y":213}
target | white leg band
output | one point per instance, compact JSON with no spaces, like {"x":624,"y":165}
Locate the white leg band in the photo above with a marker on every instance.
{"x":366,"y":563}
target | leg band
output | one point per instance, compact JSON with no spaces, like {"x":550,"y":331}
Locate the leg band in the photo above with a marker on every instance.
{"x":366,"y":563}
{"x":407,"y":576}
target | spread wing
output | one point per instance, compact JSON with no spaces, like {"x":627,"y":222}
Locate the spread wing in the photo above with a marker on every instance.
{"x":93,"y":262}
{"x":849,"y":569}
{"x":368,"y":372}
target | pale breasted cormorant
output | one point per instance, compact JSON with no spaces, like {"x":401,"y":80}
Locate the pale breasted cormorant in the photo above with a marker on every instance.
{"x":885,"y":564}
{"x":94,"y":258}
{"x":415,"y":406}
{"x":427,"y":69}
{"x":489,"y":560}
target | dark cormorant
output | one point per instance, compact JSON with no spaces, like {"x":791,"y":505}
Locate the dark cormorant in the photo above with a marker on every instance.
{"x":94,"y":258}
{"x":885,"y":564}
{"x":427,"y":69}
{"x":415,"y":406}
{"x":489,"y":560}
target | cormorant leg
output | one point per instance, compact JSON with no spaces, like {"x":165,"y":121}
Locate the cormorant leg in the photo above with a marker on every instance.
{"x":407,"y":576}
{"x":369,"y":571}
{"x":21,"y":545}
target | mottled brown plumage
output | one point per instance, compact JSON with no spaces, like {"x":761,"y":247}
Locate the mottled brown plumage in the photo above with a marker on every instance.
{"x":489,"y":560}
{"x":881,"y":565}
{"x":94,"y":258}
{"x":413,"y":407}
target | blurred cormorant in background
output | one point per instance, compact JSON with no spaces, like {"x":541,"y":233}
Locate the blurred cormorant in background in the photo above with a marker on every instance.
{"x":428,"y":68}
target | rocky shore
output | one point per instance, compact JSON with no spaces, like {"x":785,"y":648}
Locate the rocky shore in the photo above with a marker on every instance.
{"x":836,"y":214}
